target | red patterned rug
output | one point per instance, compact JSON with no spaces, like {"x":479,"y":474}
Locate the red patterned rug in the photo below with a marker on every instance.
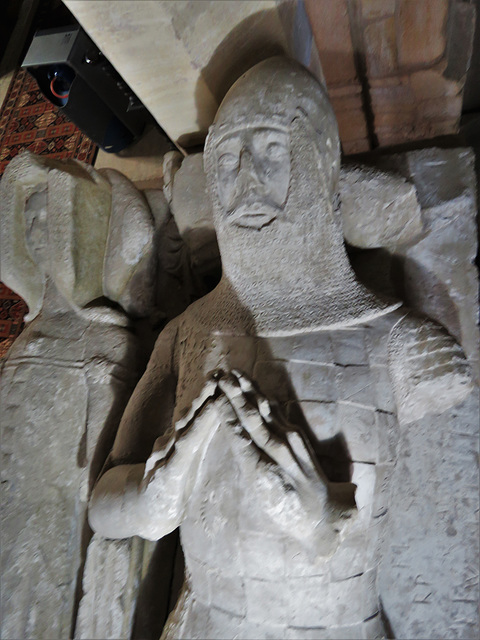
{"x":30,"y":121}
{"x":12,"y":311}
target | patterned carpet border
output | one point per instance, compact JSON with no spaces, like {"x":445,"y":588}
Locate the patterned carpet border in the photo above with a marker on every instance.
{"x":12,"y":311}
{"x":29,"y":121}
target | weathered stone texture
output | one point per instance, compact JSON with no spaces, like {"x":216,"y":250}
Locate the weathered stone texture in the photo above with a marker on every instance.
{"x":419,"y":531}
{"x":381,"y":47}
{"x":58,"y":397}
{"x":130,"y":253}
{"x":434,"y":272}
{"x":331,"y":28}
{"x":416,"y":56}
{"x":378,"y":209}
{"x":41,"y":512}
{"x":67,"y":378}
{"x":373,"y":9}
{"x":430,"y":211}
{"x":274,"y":543}
{"x":110,"y":586}
{"x":331,"y":31}
{"x":357,"y":376}
{"x":441,"y":277}
{"x":422,"y":31}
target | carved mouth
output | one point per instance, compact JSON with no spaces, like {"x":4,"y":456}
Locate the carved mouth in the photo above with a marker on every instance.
{"x":253,"y":220}
{"x":253,"y":217}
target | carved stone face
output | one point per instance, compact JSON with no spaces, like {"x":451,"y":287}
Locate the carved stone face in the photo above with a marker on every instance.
{"x":253,"y":175}
{"x":36,"y":234}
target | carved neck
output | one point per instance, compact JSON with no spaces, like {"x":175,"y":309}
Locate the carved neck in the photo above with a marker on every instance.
{"x":56,"y":304}
{"x":294,"y":275}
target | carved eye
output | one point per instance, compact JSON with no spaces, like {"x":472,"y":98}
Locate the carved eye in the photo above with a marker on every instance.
{"x":228,"y":161}
{"x":275,"y":151}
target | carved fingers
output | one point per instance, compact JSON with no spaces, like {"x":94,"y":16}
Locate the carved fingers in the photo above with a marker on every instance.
{"x":268,"y":429}
{"x":287,"y":447}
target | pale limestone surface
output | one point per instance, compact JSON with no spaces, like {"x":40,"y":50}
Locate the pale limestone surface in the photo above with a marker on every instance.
{"x":28,"y":177}
{"x":378,"y":209}
{"x":116,"y":572}
{"x":129,"y":272}
{"x":186,"y":190}
{"x":64,"y":385}
{"x":100,"y":252}
{"x":110,"y":585}
{"x":434,"y":272}
{"x":67,"y":378}
{"x":419,"y":207}
{"x":181,"y":57}
{"x":287,"y":419}
{"x":441,"y":279}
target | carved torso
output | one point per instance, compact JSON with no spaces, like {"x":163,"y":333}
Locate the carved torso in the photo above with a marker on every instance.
{"x":246,"y":572}
{"x":64,"y":384}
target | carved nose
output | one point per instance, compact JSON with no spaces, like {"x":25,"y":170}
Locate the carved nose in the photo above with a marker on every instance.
{"x":248,"y":173}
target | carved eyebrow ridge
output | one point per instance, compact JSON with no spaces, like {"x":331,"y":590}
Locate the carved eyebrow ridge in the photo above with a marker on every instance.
{"x":220,"y":136}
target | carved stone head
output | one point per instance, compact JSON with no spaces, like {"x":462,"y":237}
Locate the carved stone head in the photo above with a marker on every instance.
{"x":271,"y":110}
{"x":89,"y":234}
{"x":56,"y":216}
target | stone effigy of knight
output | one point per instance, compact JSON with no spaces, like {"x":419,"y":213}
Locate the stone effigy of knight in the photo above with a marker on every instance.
{"x":313,"y":442}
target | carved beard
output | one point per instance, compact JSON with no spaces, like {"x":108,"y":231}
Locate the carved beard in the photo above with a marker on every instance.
{"x":293,"y":274}
{"x":304,"y":230}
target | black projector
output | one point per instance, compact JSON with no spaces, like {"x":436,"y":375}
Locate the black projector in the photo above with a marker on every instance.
{"x":75,"y":76}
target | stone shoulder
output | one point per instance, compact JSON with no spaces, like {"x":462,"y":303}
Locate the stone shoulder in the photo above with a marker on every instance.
{"x":165,"y":352}
{"x":428,"y":368}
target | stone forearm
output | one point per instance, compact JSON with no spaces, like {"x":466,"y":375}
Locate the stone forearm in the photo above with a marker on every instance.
{"x":115,"y":507}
